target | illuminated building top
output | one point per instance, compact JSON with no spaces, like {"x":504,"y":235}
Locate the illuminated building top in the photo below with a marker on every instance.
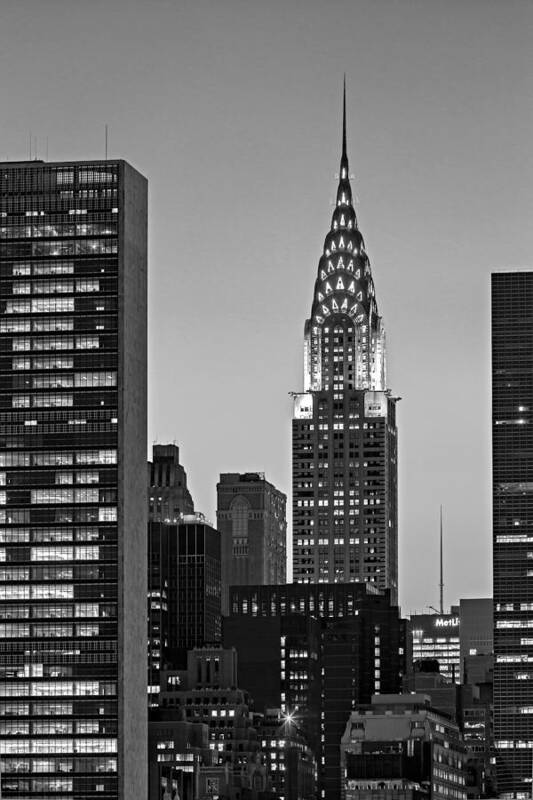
{"x":344,"y":302}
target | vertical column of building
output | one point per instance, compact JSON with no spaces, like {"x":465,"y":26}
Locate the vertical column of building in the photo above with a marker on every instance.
{"x":512,"y":472}
{"x":72,"y":475}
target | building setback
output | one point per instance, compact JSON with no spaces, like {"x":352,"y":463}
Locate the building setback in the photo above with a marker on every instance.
{"x":512,"y":504}
{"x":73,"y":489}
{"x":344,"y":443}
{"x":252,"y":523}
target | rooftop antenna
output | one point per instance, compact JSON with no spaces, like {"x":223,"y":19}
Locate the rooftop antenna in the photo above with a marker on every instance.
{"x":35,"y":147}
{"x":30,"y":145}
{"x":106,"y":141}
{"x":441,"y":585}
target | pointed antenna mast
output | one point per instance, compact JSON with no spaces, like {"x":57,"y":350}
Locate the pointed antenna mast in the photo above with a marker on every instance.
{"x":106,"y":141}
{"x":441,"y":584}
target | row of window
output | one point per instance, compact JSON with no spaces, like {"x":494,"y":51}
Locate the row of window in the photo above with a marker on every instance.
{"x":65,"y":610}
{"x":49,"y":305}
{"x":52,"y":229}
{"x":56,"y":343}
{"x":22,"y":630}
{"x":65,"y":247}
{"x":14,"y":746}
{"x":56,"y":458}
{"x":79,"y":553}
{"x":82,"y":533}
{"x":54,"y":324}
{"x":54,"y":286}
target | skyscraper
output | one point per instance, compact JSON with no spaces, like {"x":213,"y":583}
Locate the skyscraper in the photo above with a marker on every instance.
{"x":73,"y":480}
{"x":184,"y":609}
{"x":344,"y":423}
{"x":512,"y":503}
{"x":168,"y":495}
{"x":253,"y":528}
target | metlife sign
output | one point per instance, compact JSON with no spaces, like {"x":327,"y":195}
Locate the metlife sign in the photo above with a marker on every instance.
{"x":447,"y":622}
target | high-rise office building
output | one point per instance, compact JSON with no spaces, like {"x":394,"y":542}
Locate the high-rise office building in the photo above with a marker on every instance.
{"x":168,"y":495}
{"x":253,"y":528}
{"x":73,"y":480}
{"x":184,"y":608}
{"x":344,"y":423}
{"x":512,"y":505}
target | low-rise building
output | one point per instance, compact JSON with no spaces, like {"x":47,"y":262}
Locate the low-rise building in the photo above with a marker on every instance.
{"x":400,"y":747}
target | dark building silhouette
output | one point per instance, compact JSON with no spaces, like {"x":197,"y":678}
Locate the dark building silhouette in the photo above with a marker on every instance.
{"x":168,"y":495}
{"x":401,"y":748}
{"x":206,"y":695}
{"x":253,"y":527}
{"x":512,"y":504}
{"x":72,"y":475}
{"x":344,"y":444}
{"x":347,"y":636}
{"x":183,"y":593}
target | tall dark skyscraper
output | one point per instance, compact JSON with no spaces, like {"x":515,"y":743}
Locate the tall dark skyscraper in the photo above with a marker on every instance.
{"x":344,"y":423}
{"x":73,"y":480}
{"x":253,"y":528}
{"x":512,"y":502}
{"x":184,"y":606}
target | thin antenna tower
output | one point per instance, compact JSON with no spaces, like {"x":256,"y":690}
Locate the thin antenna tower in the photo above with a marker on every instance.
{"x":441,"y":585}
{"x":106,"y":141}
{"x":30,"y":145}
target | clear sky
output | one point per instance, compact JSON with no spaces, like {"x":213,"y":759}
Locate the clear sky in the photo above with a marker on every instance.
{"x":232,"y":109}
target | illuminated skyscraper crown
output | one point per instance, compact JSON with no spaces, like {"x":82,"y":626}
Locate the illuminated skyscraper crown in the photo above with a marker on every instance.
{"x":344,"y":302}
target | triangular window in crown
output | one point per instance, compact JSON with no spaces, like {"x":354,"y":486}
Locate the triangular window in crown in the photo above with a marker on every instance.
{"x":353,"y":309}
{"x":340,"y":284}
{"x":340,"y":263}
{"x":358,"y":274}
{"x":350,"y":245}
{"x":350,"y":266}
{"x":343,"y":221}
{"x":341,"y":242}
{"x":334,"y":305}
{"x":351,"y":287}
{"x":344,"y":306}
{"x":330,"y":268}
{"x":325,"y":310}
{"x":323,"y":275}
{"x":333,"y":247}
{"x":320,"y":297}
{"x":319,"y":319}
{"x":360,"y":296}
{"x":328,"y":288}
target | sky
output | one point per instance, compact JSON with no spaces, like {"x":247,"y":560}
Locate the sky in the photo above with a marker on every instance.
{"x":232,"y":109}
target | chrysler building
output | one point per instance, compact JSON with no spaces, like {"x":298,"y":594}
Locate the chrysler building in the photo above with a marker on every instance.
{"x":344,"y":443}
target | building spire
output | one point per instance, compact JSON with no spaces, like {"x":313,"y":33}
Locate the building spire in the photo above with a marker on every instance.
{"x":344,"y":155}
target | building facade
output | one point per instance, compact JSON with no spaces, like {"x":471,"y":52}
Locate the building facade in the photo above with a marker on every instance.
{"x":72,"y":475}
{"x":184,"y":593}
{"x":512,"y":504}
{"x":350,"y":641}
{"x":168,"y":495}
{"x":344,"y":443}
{"x":437,"y":636}
{"x":401,"y":748}
{"x":251,"y":518}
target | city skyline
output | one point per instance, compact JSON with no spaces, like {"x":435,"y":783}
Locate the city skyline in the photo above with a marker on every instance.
{"x":439,"y":130}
